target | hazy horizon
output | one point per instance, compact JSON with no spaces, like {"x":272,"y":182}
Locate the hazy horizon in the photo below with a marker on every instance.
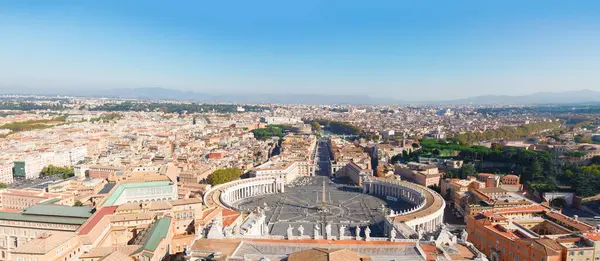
{"x":405,"y":51}
{"x":82,"y":93}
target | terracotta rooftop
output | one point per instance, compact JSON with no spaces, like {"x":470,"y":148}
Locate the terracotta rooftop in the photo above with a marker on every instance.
{"x":229,"y":216}
{"x":93,"y":221}
{"x":569,"y":221}
{"x":593,"y":236}
{"x":43,"y":245}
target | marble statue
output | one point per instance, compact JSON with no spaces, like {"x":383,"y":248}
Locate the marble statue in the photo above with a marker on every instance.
{"x":290,"y":232}
{"x":420,"y":234}
{"x":328,"y":230}
{"x":265,"y":230}
{"x":188,"y":251}
{"x":301,"y":230}
{"x":316,"y":231}
{"x":342,"y":231}
{"x":367,"y":233}
{"x":357,"y":232}
{"x":392,"y":212}
{"x":464,"y":235}
{"x":393,"y":235}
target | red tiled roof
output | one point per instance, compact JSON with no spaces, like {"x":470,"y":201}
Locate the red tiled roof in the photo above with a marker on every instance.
{"x":593,"y":236}
{"x":569,"y":221}
{"x":528,"y":209}
{"x":430,"y":251}
{"x":229,"y":216}
{"x":96,"y":218}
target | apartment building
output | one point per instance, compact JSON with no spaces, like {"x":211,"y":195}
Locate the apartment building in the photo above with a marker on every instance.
{"x":530,"y":233}
{"x":16,"y":229}
{"x":196,"y":175}
{"x":419,"y":173}
{"x":21,"y":199}
{"x":50,"y":246}
{"x":6,"y":172}
{"x":28,"y":168}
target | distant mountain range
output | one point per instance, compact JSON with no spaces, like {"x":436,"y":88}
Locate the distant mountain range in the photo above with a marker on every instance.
{"x":171,"y":94}
{"x":566,"y":97}
{"x":581,"y":96}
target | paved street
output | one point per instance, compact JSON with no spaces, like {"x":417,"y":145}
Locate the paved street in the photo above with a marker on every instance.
{"x":451,"y":220}
{"x":323,"y":160}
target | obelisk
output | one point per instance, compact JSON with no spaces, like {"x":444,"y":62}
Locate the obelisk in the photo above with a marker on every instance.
{"x":324,"y":200}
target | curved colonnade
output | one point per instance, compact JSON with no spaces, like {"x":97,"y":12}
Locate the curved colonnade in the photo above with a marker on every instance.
{"x":426,"y":215}
{"x":428,"y":212}
{"x":224,"y":195}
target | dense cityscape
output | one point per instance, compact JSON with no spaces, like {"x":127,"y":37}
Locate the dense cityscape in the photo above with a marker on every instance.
{"x":299,"y":130}
{"x":112,"y":179}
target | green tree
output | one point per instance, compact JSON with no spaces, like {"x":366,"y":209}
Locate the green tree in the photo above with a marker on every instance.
{"x":526,"y":176}
{"x":582,"y":139}
{"x":452,"y":174}
{"x":576,"y":154}
{"x":51,"y":170}
{"x":3,"y":185}
{"x":271,"y":131}
{"x":221,"y":176}
{"x":77,"y":203}
{"x":536,"y":169}
{"x":468,"y":170}
{"x":316,"y":126}
{"x":435,"y":188}
{"x":496,"y":146}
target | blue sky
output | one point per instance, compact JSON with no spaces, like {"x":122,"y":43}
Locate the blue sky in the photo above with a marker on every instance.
{"x":408,"y":50}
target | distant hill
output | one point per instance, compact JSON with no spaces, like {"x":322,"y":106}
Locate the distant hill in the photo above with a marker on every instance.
{"x":566,"y":97}
{"x":580,"y":96}
{"x":170,"y":94}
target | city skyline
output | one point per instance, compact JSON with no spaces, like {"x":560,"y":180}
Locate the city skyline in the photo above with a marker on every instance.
{"x":386,"y":49}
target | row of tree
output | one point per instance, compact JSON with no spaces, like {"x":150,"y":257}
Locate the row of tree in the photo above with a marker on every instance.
{"x":274,"y":130}
{"x":51,"y":170}
{"x":336,"y":127}
{"x":539,"y":169}
{"x":32,"y":124}
{"x":507,"y":132}
{"x":221,"y":176}
{"x":108,"y":117}
{"x":29,"y":106}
